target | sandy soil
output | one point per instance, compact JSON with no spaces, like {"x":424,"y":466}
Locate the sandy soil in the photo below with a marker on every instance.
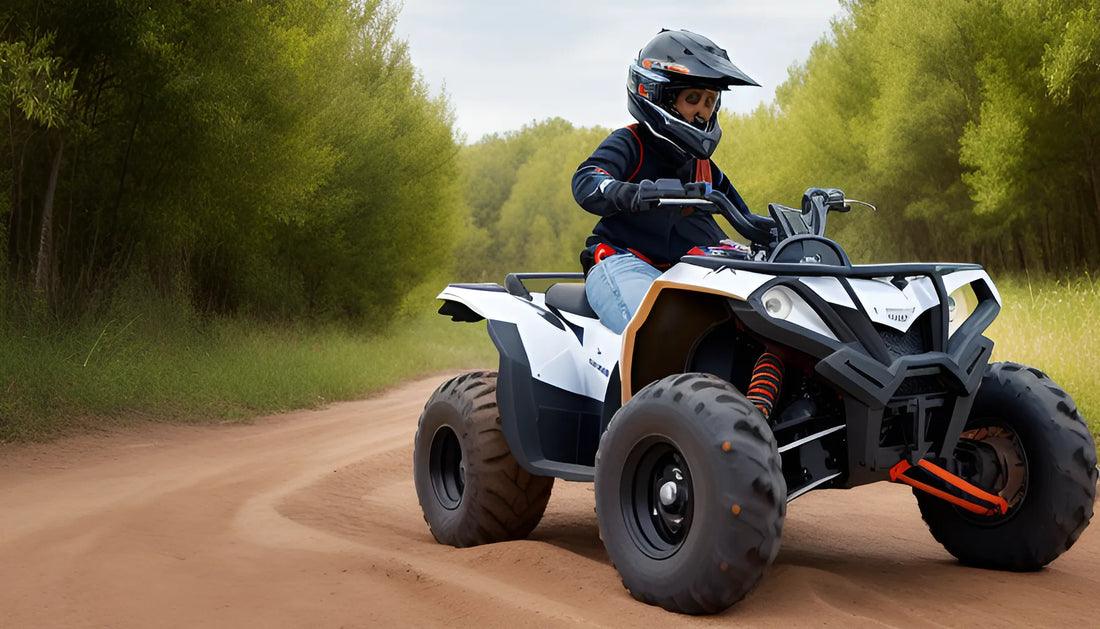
{"x":310,"y":519}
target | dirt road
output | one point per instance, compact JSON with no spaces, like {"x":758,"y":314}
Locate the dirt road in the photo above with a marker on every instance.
{"x":310,"y":519}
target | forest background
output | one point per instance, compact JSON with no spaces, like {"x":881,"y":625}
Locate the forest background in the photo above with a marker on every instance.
{"x":169,"y":167}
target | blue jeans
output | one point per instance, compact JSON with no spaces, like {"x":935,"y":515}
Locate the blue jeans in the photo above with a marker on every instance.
{"x":615,"y":288}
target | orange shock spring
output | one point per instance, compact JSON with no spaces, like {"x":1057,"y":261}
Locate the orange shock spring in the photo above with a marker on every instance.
{"x":767,"y":378}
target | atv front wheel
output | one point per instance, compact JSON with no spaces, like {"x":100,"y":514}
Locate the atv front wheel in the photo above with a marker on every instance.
{"x":1026,"y":442}
{"x":690,"y":494}
{"x":471,"y":488}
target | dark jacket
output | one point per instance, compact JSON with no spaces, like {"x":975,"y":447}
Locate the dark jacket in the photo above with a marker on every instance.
{"x":632,"y":154}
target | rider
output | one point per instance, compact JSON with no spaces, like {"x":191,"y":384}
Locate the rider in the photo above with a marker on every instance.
{"x":674,"y":91}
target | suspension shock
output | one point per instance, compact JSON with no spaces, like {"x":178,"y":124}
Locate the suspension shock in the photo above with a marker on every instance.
{"x":767,"y":378}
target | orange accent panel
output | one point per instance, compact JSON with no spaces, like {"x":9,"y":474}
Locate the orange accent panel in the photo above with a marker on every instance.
{"x":640,"y":317}
{"x":897,"y":474}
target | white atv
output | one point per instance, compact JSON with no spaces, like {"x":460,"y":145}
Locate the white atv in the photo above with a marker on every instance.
{"x":745,"y":380}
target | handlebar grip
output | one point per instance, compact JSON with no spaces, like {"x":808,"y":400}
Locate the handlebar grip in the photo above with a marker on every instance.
{"x":830,"y":198}
{"x":651,"y":193}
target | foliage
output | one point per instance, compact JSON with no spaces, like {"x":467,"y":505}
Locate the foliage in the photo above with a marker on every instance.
{"x":32,"y":82}
{"x":279,"y":158}
{"x":520,"y":214}
{"x":283,"y":161}
{"x":973,"y":126}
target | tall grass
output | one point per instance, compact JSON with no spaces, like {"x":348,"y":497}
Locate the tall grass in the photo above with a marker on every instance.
{"x":1051,"y":324}
{"x":161,"y":363}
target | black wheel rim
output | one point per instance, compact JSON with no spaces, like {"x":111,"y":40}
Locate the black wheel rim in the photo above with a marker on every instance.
{"x":657,"y":497}
{"x":447,"y":468}
{"x":1003,"y":469}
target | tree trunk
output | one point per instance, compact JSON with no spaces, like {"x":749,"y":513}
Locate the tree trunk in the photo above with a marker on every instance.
{"x":1094,"y":171}
{"x":43,"y":271}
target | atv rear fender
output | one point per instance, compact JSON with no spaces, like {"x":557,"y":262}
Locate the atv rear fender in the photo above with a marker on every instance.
{"x":556,"y":369}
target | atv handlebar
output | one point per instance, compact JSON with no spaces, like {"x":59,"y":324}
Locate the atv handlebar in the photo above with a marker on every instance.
{"x":763,"y":232}
{"x":672,"y":192}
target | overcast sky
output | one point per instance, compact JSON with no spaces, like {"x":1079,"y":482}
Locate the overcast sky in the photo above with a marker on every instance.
{"x":508,"y":63}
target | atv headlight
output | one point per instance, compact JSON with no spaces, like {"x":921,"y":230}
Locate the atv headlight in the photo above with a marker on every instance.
{"x":780,"y":302}
{"x":960,"y":305}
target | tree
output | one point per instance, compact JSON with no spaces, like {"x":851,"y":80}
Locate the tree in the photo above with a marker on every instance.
{"x":38,"y":95}
{"x":529,"y":172}
{"x":972,"y":125}
{"x":281,"y":158}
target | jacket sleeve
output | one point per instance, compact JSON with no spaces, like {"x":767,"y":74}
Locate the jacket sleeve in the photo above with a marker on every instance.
{"x":615,"y":160}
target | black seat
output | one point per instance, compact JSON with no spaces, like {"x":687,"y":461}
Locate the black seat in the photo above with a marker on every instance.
{"x":570,"y":297}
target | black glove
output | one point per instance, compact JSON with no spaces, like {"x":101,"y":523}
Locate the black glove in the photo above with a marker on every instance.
{"x":648,"y":195}
{"x":642,"y":196}
{"x":622,"y":195}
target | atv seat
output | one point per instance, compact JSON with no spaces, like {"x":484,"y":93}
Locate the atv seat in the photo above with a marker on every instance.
{"x":570,"y":297}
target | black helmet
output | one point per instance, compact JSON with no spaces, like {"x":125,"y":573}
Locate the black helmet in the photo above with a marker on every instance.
{"x":670,"y":62}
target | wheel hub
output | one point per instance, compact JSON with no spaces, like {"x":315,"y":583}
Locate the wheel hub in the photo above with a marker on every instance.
{"x":668,"y":494}
{"x":672,"y":495}
{"x":657,"y":496}
{"x":447,"y":468}
{"x":993,"y":458}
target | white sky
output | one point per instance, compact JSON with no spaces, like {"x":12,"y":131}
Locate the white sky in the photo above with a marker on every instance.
{"x":508,"y":63}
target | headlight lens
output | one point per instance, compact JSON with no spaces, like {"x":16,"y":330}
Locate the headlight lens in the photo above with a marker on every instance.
{"x":780,"y":302}
{"x":960,"y":305}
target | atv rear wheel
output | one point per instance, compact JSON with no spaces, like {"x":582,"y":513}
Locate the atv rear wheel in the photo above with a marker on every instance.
{"x":690,"y":494}
{"x":1026,"y":442}
{"x":471,"y":488}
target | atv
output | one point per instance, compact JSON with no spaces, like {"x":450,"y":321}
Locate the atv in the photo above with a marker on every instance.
{"x":748,"y":377}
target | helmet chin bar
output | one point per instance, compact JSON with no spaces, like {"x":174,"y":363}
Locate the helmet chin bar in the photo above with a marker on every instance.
{"x":672,"y":118}
{"x":665,"y":138}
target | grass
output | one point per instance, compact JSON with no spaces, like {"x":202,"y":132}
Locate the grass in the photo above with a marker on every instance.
{"x":1049,"y":324}
{"x":167,"y":367}
{"x":147,"y":361}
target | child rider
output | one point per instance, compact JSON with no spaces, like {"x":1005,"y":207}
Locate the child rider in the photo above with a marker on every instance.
{"x":674,"y":91}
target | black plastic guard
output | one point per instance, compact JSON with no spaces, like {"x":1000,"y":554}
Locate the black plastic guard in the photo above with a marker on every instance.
{"x":895,"y":406}
{"x":550,"y":431}
{"x":459,"y":311}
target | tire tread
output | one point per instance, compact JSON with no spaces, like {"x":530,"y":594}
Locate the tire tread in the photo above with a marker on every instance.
{"x":502,"y":501}
{"x":1060,"y":500}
